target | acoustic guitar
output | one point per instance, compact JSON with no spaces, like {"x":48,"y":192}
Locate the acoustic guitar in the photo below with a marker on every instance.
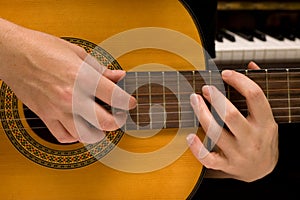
{"x":145,"y":159}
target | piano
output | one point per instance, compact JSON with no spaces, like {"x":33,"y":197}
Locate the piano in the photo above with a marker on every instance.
{"x":267,"y":32}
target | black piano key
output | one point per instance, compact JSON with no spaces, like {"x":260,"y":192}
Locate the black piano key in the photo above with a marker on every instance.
{"x":219,"y":37}
{"x":259,"y":35}
{"x":227,"y":35}
{"x":289,"y":35}
{"x":275,"y":34}
{"x":245,"y":34}
{"x":297,"y":33}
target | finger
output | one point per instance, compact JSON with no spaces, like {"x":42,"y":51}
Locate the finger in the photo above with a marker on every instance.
{"x":257,"y":103}
{"x":114,"y":75}
{"x":197,"y":147}
{"x":69,"y":124}
{"x":87,"y":57}
{"x":81,"y":52}
{"x":253,"y":65}
{"x":232,"y":117}
{"x":99,"y":117}
{"x":93,"y":83}
{"x":212,"y":129}
{"x":81,"y":129}
{"x":113,"y":95}
{"x":87,"y":133}
{"x":93,"y":62}
{"x":59,"y":131}
{"x":210,"y":160}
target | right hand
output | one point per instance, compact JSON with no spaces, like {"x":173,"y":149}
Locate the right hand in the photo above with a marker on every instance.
{"x":42,"y":70}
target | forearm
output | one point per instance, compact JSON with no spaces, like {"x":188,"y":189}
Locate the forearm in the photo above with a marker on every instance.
{"x":10,"y":43}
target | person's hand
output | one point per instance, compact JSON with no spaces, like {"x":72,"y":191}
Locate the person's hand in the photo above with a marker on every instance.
{"x":42,"y":70}
{"x":247,"y":149}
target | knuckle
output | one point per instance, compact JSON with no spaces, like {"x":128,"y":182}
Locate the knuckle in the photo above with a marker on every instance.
{"x":255,"y":94}
{"x":231,"y":115}
{"x":210,"y":163}
{"x":66,"y":96}
{"x":274,"y":126}
{"x":108,"y":124}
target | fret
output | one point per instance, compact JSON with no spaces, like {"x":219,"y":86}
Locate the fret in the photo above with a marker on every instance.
{"x":194,"y":90}
{"x":164,"y":99}
{"x":194,"y":81}
{"x":210,"y":82}
{"x":178,"y":96}
{"x":171,"y":87}
{"x":137,"y":98}
{"x":278,"y":93}
{"x":199,"y":81}
{"x":289,"y":96}
{"x":217,"y":81}
{"x":187,"y":87}
{"x":143,"y":100}
{"x":122,"y":84}
{"x":294,"y":85}
{"x":267,"y":84}
{"x":228,"y":92}
{"x":150,"y":99}
{"x":245,"y":113}
{"x":158,"y":100}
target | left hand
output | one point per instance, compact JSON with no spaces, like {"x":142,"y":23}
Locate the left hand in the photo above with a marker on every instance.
{"x":248,"y":149}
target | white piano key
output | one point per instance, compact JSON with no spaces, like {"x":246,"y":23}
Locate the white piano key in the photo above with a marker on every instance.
{"x":297,"y":44}
{"x":223,"y":51}
{"x":292,"y":50}
{"x":252,"y":50}
{"x":272,"y":50}
{"x":272,"y":46}
{"x":228,"y":51}
{"x":245,"y":47}
{"x":259,"y":48}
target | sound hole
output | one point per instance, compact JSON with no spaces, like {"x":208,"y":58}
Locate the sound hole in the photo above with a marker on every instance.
{"x":38,"y":126}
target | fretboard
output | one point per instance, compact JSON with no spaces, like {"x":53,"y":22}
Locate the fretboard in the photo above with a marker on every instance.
{"x":164,"y":97}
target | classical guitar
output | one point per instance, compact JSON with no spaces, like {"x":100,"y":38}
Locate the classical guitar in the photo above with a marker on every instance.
{"x":155,"y":165}
{"x":137,"y":161}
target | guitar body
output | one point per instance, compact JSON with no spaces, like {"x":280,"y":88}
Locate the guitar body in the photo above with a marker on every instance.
{"x":34,"y":168}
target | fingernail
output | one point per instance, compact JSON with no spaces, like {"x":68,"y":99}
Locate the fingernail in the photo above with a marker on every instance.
{"x":194,"y":99}
{"x":190,"y":139}
{"x":132,"y":102}
{"x":206,"y":90}
{"x":226,"y":73}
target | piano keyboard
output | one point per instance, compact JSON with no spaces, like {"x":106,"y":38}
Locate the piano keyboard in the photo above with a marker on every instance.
{"x":232,"y":48}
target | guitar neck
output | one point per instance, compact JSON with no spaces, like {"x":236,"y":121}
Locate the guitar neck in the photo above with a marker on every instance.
{"x":164,"y":97}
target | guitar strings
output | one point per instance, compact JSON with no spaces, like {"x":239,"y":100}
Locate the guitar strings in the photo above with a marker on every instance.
{"x":262,"y":81}
{"x":284,"y":118}
{"x":185,"y":112}
{"x":186,"y":104}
